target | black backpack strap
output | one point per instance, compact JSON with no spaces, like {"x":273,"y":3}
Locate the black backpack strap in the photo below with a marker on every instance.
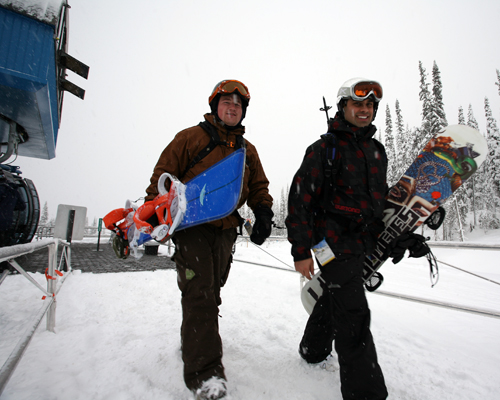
{"x":240,"y":142}
{"x":214,"y":141}
{"x":332,"y":159}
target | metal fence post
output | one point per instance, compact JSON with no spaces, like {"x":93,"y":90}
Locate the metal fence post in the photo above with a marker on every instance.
{"x":71,"y":222}
{"x":12,"y":361}
{"x":51,"y":286}
{"x":99,"y":228}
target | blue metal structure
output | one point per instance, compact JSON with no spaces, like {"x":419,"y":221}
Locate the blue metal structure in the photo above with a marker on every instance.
{"x":33,"y":61}
{"x":28,"y":91}
{"x":33,"y":65}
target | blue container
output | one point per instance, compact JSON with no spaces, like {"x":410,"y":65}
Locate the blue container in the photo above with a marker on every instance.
{"x":28,"y":82}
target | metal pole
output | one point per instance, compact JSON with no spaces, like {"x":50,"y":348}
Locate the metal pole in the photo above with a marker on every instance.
{"x":4,"y":275}
{"x":10,"y":365}
{"x":325,"y":109}
{"x":51,"y":287}
{"x":71,"y":222}
{"x":99,"y":227}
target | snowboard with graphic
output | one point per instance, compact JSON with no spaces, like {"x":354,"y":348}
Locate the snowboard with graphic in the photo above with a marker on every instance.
{"x":449,"y":158}
{"x":209,"y":196}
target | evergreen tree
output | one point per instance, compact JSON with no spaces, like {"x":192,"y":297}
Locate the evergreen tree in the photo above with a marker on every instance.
{"x":438,"y":115}
{"x":471,"y":121}
{"x":498,"y":81}
{"x":390,"y":148}
{"x":283,"y":211}
{"x":488,"y":218}
{"x":476,"y":185}
{"x":402,"y":143}
{"x":493,"y":160}
{"x":451,"y":219}
{"x":462,"y":195}
{"x":409,"y":151}
{"x":425,"y":98}
{"x":94,"y":226}
{"x":489,"y":193}
{"x":44,"y":218}
{"x":461,"y":118}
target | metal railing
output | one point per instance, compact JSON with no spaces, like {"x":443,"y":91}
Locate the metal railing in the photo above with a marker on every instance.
{"x":47,"y":231}
{"x":9,"y":254}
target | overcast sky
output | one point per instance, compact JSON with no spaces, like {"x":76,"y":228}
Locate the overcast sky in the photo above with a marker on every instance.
{"x":153,"y":64}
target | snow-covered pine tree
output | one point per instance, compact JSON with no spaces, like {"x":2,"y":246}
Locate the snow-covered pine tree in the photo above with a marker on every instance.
{"x":427,"y":109}
{"x":493,"y":161}
{"x":439,"y":115}
{"x":390,"y":148}
{"x":461,"y":118}
{"x":94,"y":225}
{"x":283,"y":212}
{"x":403,"y":143}
{"x":488,"y":218}
{"x":498,"y":81}
{"x":475,"y":186}
{"x":44,"y":218}
{"x":438,"y":121}
{"x":462,"y":195}
{"x":451,"y":219}
{"x":471,"y":120}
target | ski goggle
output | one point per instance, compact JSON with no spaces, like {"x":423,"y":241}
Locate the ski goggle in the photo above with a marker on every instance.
{"x":228,"y":87}
{"x":362,"y":90}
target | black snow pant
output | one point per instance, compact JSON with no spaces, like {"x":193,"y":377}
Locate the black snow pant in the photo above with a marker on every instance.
{"x":203,"y":258}
{"x":342,"y":316}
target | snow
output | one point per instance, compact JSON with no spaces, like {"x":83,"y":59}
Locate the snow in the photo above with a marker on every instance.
{"x":42,"y":10}
{"x":118,"y":334}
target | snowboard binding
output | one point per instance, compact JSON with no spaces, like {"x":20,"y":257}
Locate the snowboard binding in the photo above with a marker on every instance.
{"x":121,"y":247}
{"x":169,"y":207}
{"x":119,"y":221}
{"x":436,"y":218}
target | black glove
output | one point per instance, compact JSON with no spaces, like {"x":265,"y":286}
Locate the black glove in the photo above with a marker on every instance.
{"x":413,"y":242}
{"x":263,"y":224}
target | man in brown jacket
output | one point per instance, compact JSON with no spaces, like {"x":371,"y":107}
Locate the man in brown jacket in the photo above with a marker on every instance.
{"x":203,"y":253}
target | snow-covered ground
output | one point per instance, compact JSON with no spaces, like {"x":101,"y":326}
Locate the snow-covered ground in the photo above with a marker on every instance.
{"x":118,"y":334}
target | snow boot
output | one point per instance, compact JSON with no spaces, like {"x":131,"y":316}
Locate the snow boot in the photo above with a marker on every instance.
{"x":212,"y":389}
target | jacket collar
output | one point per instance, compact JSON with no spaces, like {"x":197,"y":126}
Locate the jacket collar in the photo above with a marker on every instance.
{"x":339,"y":124}
{"x":222,"y":128}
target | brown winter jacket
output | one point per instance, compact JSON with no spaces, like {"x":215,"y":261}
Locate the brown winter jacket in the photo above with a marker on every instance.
{"x":188,"y":143}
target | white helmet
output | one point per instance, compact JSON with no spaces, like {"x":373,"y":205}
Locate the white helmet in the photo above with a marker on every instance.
{"x":359,"y":89}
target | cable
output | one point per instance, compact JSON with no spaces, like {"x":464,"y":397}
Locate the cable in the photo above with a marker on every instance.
{"x":270,"y":254}
{"x":471,"y":273}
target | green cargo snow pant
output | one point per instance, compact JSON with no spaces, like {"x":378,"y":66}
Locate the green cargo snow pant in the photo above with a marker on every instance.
{"x":203,"y":259}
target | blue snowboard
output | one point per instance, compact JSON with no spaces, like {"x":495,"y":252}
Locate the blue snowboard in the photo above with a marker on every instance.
{"x":209,"y":196}
{"x":214,"y":194}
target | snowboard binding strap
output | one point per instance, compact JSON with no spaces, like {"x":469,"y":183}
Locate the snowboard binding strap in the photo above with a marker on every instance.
{"x":169,"y":207}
